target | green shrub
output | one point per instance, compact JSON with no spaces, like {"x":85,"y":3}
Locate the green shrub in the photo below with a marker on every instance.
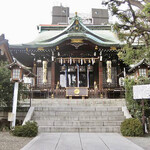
{"x":30,"y":129}
{"x":4,"y":125}
{"x":131,"y":127}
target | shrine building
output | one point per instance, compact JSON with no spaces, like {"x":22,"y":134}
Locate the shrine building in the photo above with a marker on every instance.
{"x":73,"y":60}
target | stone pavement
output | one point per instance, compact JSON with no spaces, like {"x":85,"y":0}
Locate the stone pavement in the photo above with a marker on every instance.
{"x":80,"y":141}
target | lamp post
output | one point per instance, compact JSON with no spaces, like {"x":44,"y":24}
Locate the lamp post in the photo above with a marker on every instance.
{"x":16,"y":77}
{"x":17,"y":72}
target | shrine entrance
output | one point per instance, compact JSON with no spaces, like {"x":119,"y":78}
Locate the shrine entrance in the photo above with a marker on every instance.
{"x":76,"y":75}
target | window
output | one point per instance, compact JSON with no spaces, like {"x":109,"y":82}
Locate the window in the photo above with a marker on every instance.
{"x":142,"y":72}
{"x":16,"y":73}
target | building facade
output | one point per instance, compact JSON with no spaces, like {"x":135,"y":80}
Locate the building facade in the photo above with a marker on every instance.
{"x":4,"y":50}
{"x":74,"y":60}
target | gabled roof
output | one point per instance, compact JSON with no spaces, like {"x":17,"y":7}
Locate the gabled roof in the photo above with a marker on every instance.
{"x":20,"y":65}
{"x":142,"y":62}
{"x":76,"y":29}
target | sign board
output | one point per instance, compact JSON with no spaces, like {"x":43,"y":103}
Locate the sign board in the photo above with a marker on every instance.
{"x":77,"y":91}
{"x":27,"y":80}
{"x":10,"y":116}
{"x":141,"y":91}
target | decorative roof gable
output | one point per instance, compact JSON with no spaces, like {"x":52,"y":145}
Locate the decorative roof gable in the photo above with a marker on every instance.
{"x":75,"y":30}
{"x":142,"y":62}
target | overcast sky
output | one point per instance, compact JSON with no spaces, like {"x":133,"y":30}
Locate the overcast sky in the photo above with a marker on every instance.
{"x":19,"y":18}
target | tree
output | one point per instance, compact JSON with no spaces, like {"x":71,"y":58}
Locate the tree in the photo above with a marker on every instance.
{"x":133,"y":27}
{"x":6,"y":87}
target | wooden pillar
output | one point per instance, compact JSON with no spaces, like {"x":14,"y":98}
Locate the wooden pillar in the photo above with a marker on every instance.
{"x":52,"y":74}
{"x":100,"y":75}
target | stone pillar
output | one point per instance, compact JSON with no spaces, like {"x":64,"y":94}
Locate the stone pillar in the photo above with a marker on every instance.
{"x":100,"y":75}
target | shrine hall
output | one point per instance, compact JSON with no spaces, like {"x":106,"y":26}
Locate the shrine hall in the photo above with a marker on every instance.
{"x":73,"y":60}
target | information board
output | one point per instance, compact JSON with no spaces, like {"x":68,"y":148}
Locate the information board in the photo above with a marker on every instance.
{"x":141,"y":91}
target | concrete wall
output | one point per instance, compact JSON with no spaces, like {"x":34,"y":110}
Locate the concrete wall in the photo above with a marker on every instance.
{"x":20,"y":115}
{"x":100,"y":16}
{"x":60,"y":15}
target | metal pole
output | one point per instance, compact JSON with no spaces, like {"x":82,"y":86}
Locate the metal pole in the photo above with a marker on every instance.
{"x":14,"y":109}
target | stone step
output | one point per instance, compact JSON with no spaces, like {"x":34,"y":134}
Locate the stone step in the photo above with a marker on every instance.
{"x":79,"y":129}
{"x":83,"y":109}
{"x":78,"y":123}
{"x":79,"y":118}
{"x":79,"y":113}
{"x":95,"y":115}
{"x":78,"y":102}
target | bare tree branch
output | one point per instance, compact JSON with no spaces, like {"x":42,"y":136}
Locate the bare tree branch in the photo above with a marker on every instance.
{"x":137,"y":4}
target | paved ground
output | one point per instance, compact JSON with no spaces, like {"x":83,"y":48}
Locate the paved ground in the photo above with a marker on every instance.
{"x":80,"y":141}
{"x":141,"y":141}
{"x":10,"y":142}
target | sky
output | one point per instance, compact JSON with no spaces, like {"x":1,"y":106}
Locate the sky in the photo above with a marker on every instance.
{"x":19,"y":18}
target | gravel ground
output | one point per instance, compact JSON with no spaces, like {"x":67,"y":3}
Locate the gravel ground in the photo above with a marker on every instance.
{"x":144,"y":142}
{"x":10,"y":142}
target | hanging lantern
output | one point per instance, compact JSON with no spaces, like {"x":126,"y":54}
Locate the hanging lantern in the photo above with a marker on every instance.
{"x":89,"y":61}
{"x":81,"y":61}
{"x":100,"y":58}
{"x":52,"y":58}
{"x":109,"y":80}
{"x":70,"y":61}
{"x":93,"y":61}
{"x":74,"y":61}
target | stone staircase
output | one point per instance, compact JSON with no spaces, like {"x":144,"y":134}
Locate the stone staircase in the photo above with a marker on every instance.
{"x":79,"y":115}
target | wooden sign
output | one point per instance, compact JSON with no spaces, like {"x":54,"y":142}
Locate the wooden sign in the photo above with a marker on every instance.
{"x":77,"y":91}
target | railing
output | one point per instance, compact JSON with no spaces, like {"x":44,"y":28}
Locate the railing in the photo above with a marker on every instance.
{"x":92,"y":93}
